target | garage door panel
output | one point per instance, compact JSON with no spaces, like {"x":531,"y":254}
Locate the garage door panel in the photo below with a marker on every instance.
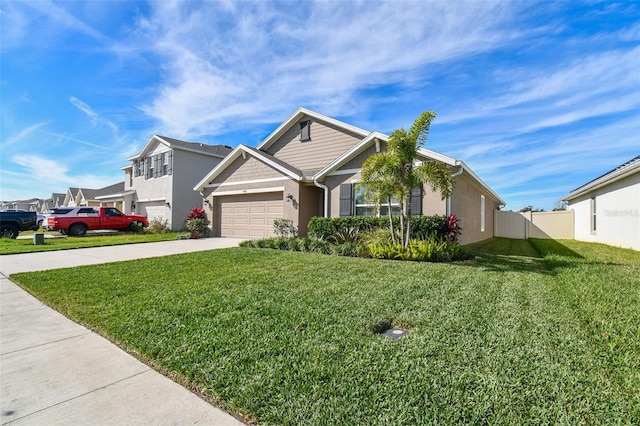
{"x":250,"y":216}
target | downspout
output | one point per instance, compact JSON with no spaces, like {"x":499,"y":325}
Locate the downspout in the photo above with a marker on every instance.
{"x":326,"y":195}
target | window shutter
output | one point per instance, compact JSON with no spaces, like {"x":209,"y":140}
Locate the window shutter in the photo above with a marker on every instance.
{"x":346,"y":199}
{"x":147,"y":169}
{"x":157,"y":170}
{"x":135,"y":168}
{"x":170,"y":162}
{"x":416,"y":201}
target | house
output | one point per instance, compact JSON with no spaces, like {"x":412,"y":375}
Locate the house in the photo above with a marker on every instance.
{"x":159,"y":181}
{"x":308,"y":167}
{"x":56,"y":200}
{"x":607,"y":209}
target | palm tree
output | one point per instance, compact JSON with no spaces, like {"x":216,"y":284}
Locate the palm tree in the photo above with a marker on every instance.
{"x":396,"y":172}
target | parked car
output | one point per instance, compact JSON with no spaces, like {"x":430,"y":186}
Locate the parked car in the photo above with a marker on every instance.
{"x":77,"y":221}
{"x":13,"y":222}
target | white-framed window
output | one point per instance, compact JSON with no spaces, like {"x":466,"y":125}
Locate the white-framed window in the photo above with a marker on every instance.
{"x":593,"y":215}
{"x":482,"y":213}
{"x":165,"y":163}
{"x":363,"y":207}
{"x":152,"y":166}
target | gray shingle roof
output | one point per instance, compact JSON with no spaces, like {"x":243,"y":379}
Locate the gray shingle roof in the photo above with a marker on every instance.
{"x":221,"y":150}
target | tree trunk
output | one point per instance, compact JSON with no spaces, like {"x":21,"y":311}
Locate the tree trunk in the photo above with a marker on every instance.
{"x":406,"y":239}
{"x":393,"y":231}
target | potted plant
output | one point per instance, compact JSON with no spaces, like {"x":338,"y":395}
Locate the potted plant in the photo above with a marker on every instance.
{"x":197,"y":223}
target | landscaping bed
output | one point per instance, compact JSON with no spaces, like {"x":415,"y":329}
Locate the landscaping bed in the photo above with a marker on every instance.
{"x":279,"y":337}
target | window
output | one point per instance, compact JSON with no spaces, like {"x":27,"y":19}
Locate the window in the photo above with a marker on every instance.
{"x":482,"y":213}
{"x":140,"y":167}
{"x":364,"y":207}
{"x":112,"y":212}
{"x":305,"y":130}
{"x":593,"y":215}
{"x":166,"y":168}
{"x":151,"y":171}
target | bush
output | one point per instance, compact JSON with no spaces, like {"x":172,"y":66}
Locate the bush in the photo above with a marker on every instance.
{"x":158,"y":226}
{"x":198,"y":226}
{"x":284,"y":228}
{"x":430,"y":250}
{"x":422,"y":227}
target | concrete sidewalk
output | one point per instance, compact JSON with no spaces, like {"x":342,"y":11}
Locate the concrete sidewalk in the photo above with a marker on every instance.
{"x":54,"y":371}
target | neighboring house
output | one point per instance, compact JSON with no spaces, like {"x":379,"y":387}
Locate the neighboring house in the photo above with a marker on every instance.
{"x":30,"y":205}
{"x":70,"y":197}
{"x":113,"y":196}
{"x":159,"y":181}
{"x":308,"y":167}
{"x":56,"y":200}
{"x":607,"y":209}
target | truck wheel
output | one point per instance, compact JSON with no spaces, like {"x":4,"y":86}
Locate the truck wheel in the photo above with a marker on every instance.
{"x":135,"y":227}
{"x":78,"y":229}
{"x":9,"y":231}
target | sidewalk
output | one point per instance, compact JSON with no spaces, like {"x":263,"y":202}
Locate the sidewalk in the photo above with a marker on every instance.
{"x":54,"y":371}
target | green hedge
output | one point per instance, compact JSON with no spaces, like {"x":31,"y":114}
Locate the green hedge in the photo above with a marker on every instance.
{"x":422,"y":227}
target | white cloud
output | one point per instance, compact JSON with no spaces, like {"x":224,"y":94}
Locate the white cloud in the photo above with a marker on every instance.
{"x":247,"y":61}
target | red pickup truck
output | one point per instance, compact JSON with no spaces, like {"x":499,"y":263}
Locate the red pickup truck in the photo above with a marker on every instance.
{"x":77,"y":221}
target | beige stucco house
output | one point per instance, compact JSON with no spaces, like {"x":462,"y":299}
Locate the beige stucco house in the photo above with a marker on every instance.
{"x":159,"y":180}
{"x":308,"y":167}
{"x":607,"y":209}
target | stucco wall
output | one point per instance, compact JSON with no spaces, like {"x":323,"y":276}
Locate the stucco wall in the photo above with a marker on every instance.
{"x":617,"y":214}
{"x":466,"y":203}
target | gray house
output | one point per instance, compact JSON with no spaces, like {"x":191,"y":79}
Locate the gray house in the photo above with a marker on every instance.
{"x":159,"y":180}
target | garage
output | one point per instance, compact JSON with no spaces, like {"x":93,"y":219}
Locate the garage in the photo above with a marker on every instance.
{"x":249,"y":216}
{"x":153,"y":210}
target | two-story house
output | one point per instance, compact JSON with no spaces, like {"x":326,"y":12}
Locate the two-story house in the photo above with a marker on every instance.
{"x":159,"y":180}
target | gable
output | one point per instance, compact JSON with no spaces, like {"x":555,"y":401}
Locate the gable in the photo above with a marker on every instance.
{"x":246,"y":170}
{"x":356,"y":162}
{"x":327,"y":143}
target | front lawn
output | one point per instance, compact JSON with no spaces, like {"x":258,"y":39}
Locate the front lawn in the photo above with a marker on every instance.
{"x":285,"y":337}
{"x":8,"y":246}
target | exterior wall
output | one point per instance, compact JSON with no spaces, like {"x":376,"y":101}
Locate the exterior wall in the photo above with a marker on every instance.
{"x":152,"y":194}
{"x":311,"y":199}
{"x":246,"y":169}
{"x":334,"y":182}
{"x":617,"y":214}
{"x":188,"y":169}
{"x":327,"y":143}
{"x":465,"y":204}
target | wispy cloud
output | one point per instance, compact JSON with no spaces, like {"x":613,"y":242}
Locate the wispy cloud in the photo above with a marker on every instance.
{"x":225,"y":65}
{"x":23,"y":134}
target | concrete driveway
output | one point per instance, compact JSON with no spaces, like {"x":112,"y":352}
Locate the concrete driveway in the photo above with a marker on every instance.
{"x":56,"y":372}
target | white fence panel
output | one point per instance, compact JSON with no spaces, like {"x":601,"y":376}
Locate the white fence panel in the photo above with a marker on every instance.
{"x":510,"y":225}
{"x":554,"y":225}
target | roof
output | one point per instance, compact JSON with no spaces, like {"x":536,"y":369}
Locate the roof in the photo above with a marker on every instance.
{"x":626,"y":169}
{"x":220,"y":151}
{"x":367,"y":138}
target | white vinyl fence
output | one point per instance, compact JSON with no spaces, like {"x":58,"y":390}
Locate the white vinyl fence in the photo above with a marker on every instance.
{"x":554,"y":225}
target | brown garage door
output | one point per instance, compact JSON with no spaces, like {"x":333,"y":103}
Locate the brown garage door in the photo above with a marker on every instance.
{"x":250,"y":216}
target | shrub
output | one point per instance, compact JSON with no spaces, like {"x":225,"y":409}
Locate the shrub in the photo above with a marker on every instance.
{"x":430,"y":250}
{"x":284,"y":228}
{"x":422,"y":227}
{"x":196,"y":213}
{"x":158,"y":226}
{"x":198,"y":226}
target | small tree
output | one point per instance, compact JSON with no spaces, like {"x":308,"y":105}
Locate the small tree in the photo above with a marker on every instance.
{"x":394,"y":173}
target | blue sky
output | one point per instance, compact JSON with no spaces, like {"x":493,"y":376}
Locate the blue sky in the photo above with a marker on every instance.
{"x":536,"y":97}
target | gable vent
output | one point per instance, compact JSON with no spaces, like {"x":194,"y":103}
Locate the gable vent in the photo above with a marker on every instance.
{"x":305,"y":130}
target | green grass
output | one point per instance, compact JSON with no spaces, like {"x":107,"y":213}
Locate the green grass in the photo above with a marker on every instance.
{"x":510,"y":337}
{"x":8,"y":246}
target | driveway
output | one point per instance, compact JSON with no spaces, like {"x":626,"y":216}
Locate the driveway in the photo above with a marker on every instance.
{"x":54,"y":371}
